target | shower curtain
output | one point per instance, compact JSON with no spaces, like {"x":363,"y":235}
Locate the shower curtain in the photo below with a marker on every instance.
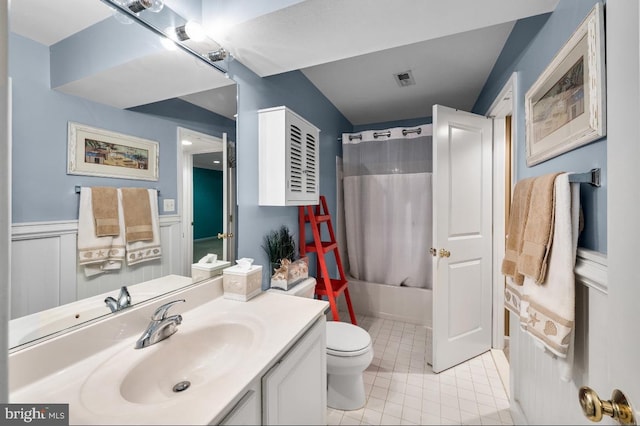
{"x":388,"y":203}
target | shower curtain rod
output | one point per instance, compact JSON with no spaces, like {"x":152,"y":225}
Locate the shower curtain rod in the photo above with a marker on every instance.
{"x":376,"y":135}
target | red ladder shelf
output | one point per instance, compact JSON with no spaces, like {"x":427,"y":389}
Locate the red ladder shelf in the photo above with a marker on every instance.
{"x":325,"y":285}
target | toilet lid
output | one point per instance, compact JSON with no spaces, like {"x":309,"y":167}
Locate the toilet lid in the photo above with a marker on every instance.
{"x":344,"y":339}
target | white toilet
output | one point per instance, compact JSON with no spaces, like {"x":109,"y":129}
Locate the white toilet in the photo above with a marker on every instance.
{"x":349,"y":353}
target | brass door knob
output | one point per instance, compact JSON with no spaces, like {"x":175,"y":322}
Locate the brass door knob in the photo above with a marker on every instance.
{"x":617,"y":407}
{"x":221,"y":236}
{"x":444,"y":253}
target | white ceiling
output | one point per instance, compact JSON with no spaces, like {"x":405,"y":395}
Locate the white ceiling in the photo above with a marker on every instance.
{"x":351,"y":49}
{"x":348,"y":49}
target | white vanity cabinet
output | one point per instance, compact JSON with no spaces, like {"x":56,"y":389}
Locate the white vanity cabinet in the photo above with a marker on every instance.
{"x":294,"y":391}
{"x":247,"y":410}
{"x":289,"y":169}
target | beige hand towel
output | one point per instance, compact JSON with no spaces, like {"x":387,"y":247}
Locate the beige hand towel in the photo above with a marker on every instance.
{"x":91,"y":248}
{"x":104,"y":202}
{"x":517,"y":220}
{"x":144,"y":251}
{"x":137,"y":214}
{"x":538,"y":231}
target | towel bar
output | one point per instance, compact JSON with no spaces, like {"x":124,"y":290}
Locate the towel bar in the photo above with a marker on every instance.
{"x":77,"y":187}
{"x":592,"y":177}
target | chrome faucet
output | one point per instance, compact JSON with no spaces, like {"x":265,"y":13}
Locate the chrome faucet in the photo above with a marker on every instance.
{"x":124,"y":300}
{"x":161,"y":326}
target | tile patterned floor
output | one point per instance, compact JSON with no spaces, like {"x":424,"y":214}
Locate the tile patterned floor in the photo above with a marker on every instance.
{"x":401,"y":387}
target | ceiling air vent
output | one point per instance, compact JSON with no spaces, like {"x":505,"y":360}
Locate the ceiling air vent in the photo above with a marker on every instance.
{"x":404,"y":79}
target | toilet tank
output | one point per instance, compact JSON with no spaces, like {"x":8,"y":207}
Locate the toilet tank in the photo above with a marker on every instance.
{"x":305,"y":288}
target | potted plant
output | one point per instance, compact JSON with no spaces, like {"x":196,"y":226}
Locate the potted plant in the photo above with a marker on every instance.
{"x":279,"y":244}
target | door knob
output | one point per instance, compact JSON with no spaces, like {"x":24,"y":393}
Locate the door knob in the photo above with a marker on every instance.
{"x":617,"y":407}
{"x":444,"y":253}
{"x":221,"y":236}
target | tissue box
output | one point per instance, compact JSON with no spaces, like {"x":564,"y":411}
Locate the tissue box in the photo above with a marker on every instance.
{"x":242,"y":284}
{"x":203,"y":271}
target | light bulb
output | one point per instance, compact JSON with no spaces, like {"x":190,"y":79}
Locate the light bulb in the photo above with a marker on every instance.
{"x":156,"y":6}
{"x":189,"y":31}
{"x":194,"y":31}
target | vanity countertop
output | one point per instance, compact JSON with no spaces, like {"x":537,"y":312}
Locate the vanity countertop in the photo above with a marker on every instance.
{"x":95,"y":384}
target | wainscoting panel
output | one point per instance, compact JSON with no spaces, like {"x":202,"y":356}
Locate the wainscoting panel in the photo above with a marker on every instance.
{"x":45,"y":271}
{"x":539,"y":395}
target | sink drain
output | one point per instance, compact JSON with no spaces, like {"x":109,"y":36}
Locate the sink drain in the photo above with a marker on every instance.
{"x":182,"y":386}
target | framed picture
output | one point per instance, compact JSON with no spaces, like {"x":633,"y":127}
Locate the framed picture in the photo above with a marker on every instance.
{"x":566,"y":108}
{"x":98,"y":152}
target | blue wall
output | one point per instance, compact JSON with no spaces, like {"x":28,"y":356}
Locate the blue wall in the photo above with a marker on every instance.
{"x":530,"y":48}
{"x":294,"y":90}
{"x":41,"y":189}
{"x":207,"y":203}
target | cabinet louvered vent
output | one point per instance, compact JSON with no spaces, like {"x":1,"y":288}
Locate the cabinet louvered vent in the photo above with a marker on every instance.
{"x":310,"y":166}
{"x":295,"y":177}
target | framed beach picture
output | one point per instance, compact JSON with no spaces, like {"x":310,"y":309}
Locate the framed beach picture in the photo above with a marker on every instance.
{"x":566,"y":107}
{"x":99,"y":152}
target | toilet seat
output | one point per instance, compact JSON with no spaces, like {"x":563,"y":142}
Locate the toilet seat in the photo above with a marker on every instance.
{"x":345,"y":339}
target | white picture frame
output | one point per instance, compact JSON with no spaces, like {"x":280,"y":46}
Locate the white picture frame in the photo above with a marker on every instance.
{"x":98,"y":152}
{"x":566,"y":107}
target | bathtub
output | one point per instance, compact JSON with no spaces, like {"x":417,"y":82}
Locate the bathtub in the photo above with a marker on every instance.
{"x":407,"y":304}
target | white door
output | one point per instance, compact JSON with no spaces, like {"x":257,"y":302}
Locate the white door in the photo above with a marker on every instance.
{"x":228,"y":195}
{"x":200,"y":143}
{"x":623,"y":226}
{"x":462,"y":212}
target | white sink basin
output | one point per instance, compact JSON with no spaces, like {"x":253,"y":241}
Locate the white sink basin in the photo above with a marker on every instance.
{"x":221,"y":348}
{"x":196,"y":357}
{"x":174,"y":369}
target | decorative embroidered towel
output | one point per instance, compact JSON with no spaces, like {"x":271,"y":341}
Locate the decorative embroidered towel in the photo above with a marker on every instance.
{"x":104,"y":203}
{"x":516,"y":300}
{"x":91,"y":249}
{"x":144,"y":251}
{"x":538,"y":230}
{"x":551,"y":310}
{"x":96,"y":254}
{"x":517,"y":220}
{"x":137,"y":214}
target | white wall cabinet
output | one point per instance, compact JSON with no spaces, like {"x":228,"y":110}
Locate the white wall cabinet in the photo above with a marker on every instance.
{"x":294,"y":391}
{"x":289,"y":168}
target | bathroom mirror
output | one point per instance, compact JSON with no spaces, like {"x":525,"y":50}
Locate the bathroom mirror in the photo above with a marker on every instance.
{"x":81,"y":61}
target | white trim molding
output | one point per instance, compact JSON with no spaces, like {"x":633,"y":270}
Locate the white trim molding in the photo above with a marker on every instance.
{"x":534,"y":378}
{"x":33,"y":230}
{"x":65,"y":281}
{"x":591,"y":270}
